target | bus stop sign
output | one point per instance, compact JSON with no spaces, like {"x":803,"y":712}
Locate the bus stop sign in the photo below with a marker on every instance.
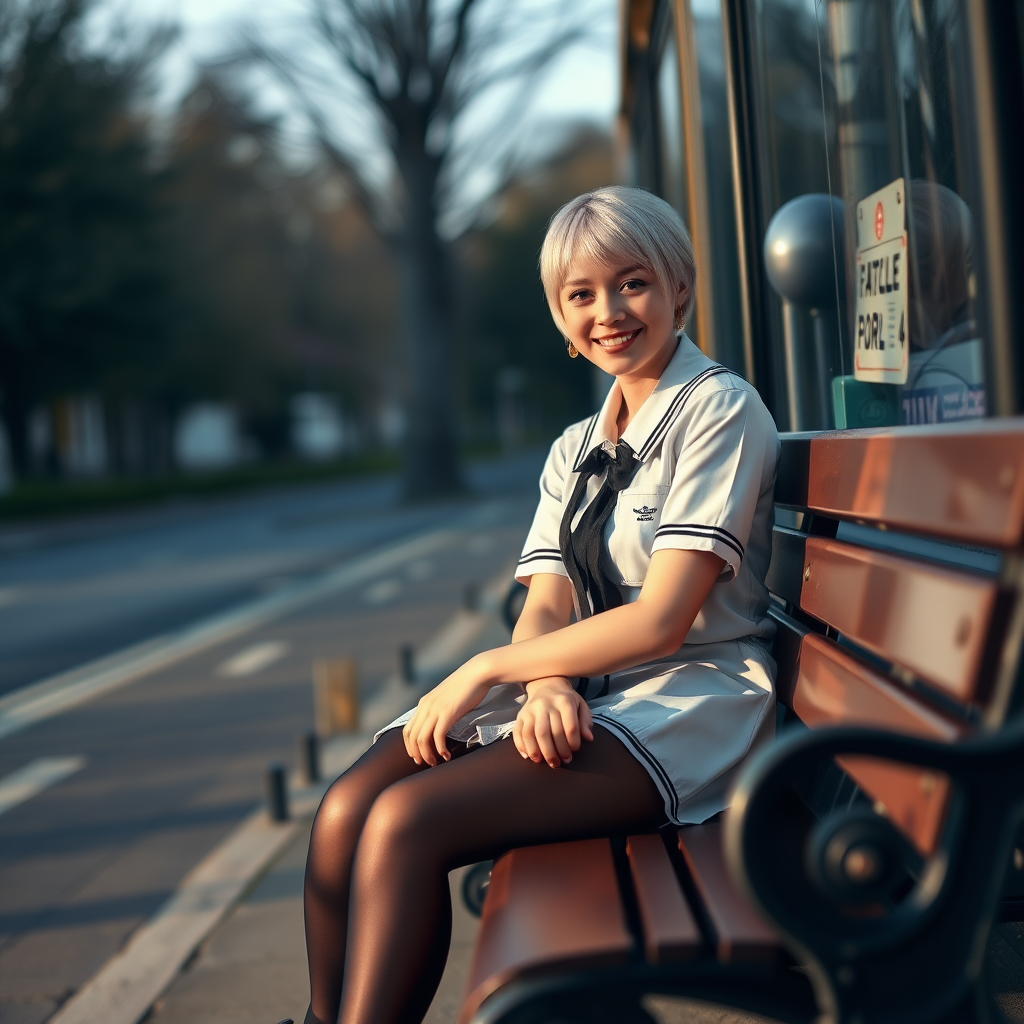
{"x":881,"y":353}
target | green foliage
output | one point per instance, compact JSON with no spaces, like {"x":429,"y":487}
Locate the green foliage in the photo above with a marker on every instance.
{"x":53,"y":498}
{"x":81,"y":277}
{"x":159,"y":268}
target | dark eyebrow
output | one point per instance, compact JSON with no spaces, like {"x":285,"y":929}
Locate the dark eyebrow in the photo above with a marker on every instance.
{"x":619,"y":273}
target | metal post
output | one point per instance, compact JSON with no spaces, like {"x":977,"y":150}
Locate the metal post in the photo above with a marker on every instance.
{"x":791,"y":343}
{"x":309,"y":757}
{"x":276,"y":792}
{"x":407,"y":660}
{"x":823,"y":366}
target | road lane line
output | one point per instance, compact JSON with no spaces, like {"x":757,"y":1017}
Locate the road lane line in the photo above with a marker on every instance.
{"x":36,"y":776}
{"x":382,"y":591}
{"x":128,"y":984}
{"x":66,"y":690}
{"x":251,"y":660}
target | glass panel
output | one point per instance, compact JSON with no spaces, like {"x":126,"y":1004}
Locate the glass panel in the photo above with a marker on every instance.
{"x":867,"y":103}
{"x":673,"y":180}
{"x":714,"y":229}
{"x":721,"y":252}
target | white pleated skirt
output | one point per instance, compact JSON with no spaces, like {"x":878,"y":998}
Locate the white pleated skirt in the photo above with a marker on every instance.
{"x":690,"y":719}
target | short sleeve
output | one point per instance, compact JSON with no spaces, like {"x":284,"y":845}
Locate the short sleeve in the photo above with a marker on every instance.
{"x":540,"y":552}
{"x":728,"y":457}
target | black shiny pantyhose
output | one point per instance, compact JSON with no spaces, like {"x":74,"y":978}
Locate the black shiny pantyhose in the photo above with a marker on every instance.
{"x":377,"y":904}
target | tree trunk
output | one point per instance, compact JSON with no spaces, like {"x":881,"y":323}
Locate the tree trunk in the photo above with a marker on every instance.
{"x":431,"y":462}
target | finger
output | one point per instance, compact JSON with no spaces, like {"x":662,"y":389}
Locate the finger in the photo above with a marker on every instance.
{"x":517,"y":735}
{"x":410,"y":746}
{"x":558,"y":737}
{"x":440,"y":738}
{"x":542,"y":728}
{"x":425,"y":743}
{"x":409,"y":734}
{"x":586,"y":721}
{"x":530,"y":738}
{"x":570,"y":725}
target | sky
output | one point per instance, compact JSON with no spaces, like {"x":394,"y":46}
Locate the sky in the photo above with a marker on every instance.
{"x":581,"y":85}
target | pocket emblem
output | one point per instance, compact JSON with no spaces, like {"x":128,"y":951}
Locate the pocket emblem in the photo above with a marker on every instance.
{"x":645,"y":514}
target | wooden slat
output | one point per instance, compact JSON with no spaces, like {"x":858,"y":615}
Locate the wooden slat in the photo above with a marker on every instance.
{"x":741,"y":934}
{"x":547,"y":907}
{"x":932,"y":621}
{"x":834,"y":688}
{"x":670,"y":929}
{"x":961,"y":481}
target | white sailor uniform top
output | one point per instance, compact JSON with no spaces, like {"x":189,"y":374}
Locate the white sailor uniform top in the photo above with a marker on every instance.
{"x":707,"y":452}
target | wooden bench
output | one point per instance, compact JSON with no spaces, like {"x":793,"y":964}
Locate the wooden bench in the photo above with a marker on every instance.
{"x":856,"y":876}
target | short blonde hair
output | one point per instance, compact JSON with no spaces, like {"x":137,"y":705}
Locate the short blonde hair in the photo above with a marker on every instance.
{"x":613,"y":224}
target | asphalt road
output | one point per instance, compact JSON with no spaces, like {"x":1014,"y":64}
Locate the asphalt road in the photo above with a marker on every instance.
{"x":170,"y":763}
{"x":73,"y":591}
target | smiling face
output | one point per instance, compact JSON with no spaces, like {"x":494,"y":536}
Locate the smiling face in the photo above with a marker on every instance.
{"x":620,"y":318}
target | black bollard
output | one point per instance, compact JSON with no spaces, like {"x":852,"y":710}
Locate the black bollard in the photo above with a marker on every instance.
{"x":309,"y":758}
{"x":276,"y":792}
{"x":408,"y":665}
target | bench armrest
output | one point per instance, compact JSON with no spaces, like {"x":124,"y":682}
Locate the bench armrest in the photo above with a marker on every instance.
{"x":908,"y":955}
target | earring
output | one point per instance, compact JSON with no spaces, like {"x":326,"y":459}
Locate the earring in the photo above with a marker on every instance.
{"x":679,"y":323}
{"x":571,"y":349}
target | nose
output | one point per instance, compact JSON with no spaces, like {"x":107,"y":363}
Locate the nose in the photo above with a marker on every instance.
{"x":609,"y":309}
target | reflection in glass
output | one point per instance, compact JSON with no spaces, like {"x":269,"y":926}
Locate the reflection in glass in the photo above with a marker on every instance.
{"x":891,"y":101}
{"x":673,"y":181}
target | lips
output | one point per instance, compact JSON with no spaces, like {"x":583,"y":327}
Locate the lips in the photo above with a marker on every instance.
{"x":616,"y":342}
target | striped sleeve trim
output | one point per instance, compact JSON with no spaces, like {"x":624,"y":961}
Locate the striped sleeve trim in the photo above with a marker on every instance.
{"x":699,"y":530}
{"x":541,"y":555}
{"x":670,"y":414}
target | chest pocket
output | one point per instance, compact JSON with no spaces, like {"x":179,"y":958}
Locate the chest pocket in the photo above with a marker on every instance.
{"x":632,"y":525}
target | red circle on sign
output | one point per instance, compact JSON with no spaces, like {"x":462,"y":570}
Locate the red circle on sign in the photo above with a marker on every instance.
{"x":879,"y":221}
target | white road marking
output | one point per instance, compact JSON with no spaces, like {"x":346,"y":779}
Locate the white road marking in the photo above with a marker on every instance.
{"x":36,"y":776}
{"x":250,"y":660}
{"x":125,"y":988}
{"x":382,"y":591}
{"x":421,"y":569}
{"x":61,"y":692}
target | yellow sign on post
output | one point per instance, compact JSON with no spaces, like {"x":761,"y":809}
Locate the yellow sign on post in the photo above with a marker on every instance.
{"x":336,"y":696}
{"x":882,"y":347}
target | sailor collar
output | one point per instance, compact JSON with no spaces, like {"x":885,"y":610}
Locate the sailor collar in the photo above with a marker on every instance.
{"x":687,"y":368}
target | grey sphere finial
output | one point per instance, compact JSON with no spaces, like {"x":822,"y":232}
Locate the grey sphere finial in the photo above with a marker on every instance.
{"x":798,"y":251}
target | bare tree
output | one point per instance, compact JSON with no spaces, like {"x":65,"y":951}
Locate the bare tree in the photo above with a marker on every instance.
{"x":433,"y":96}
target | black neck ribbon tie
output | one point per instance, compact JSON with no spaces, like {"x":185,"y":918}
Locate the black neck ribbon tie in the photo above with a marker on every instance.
{"x":581,"y":548}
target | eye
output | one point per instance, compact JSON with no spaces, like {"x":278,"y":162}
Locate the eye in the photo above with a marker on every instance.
{"x":578,"y":294}
{"x":633,"y":284}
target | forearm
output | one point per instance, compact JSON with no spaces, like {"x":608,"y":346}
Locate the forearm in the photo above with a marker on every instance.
{"x":613,"y":640}
{"x":654,"y":625}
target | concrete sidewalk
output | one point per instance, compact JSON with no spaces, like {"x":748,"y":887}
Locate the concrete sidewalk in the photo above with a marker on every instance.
{"x":253,"y":967}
